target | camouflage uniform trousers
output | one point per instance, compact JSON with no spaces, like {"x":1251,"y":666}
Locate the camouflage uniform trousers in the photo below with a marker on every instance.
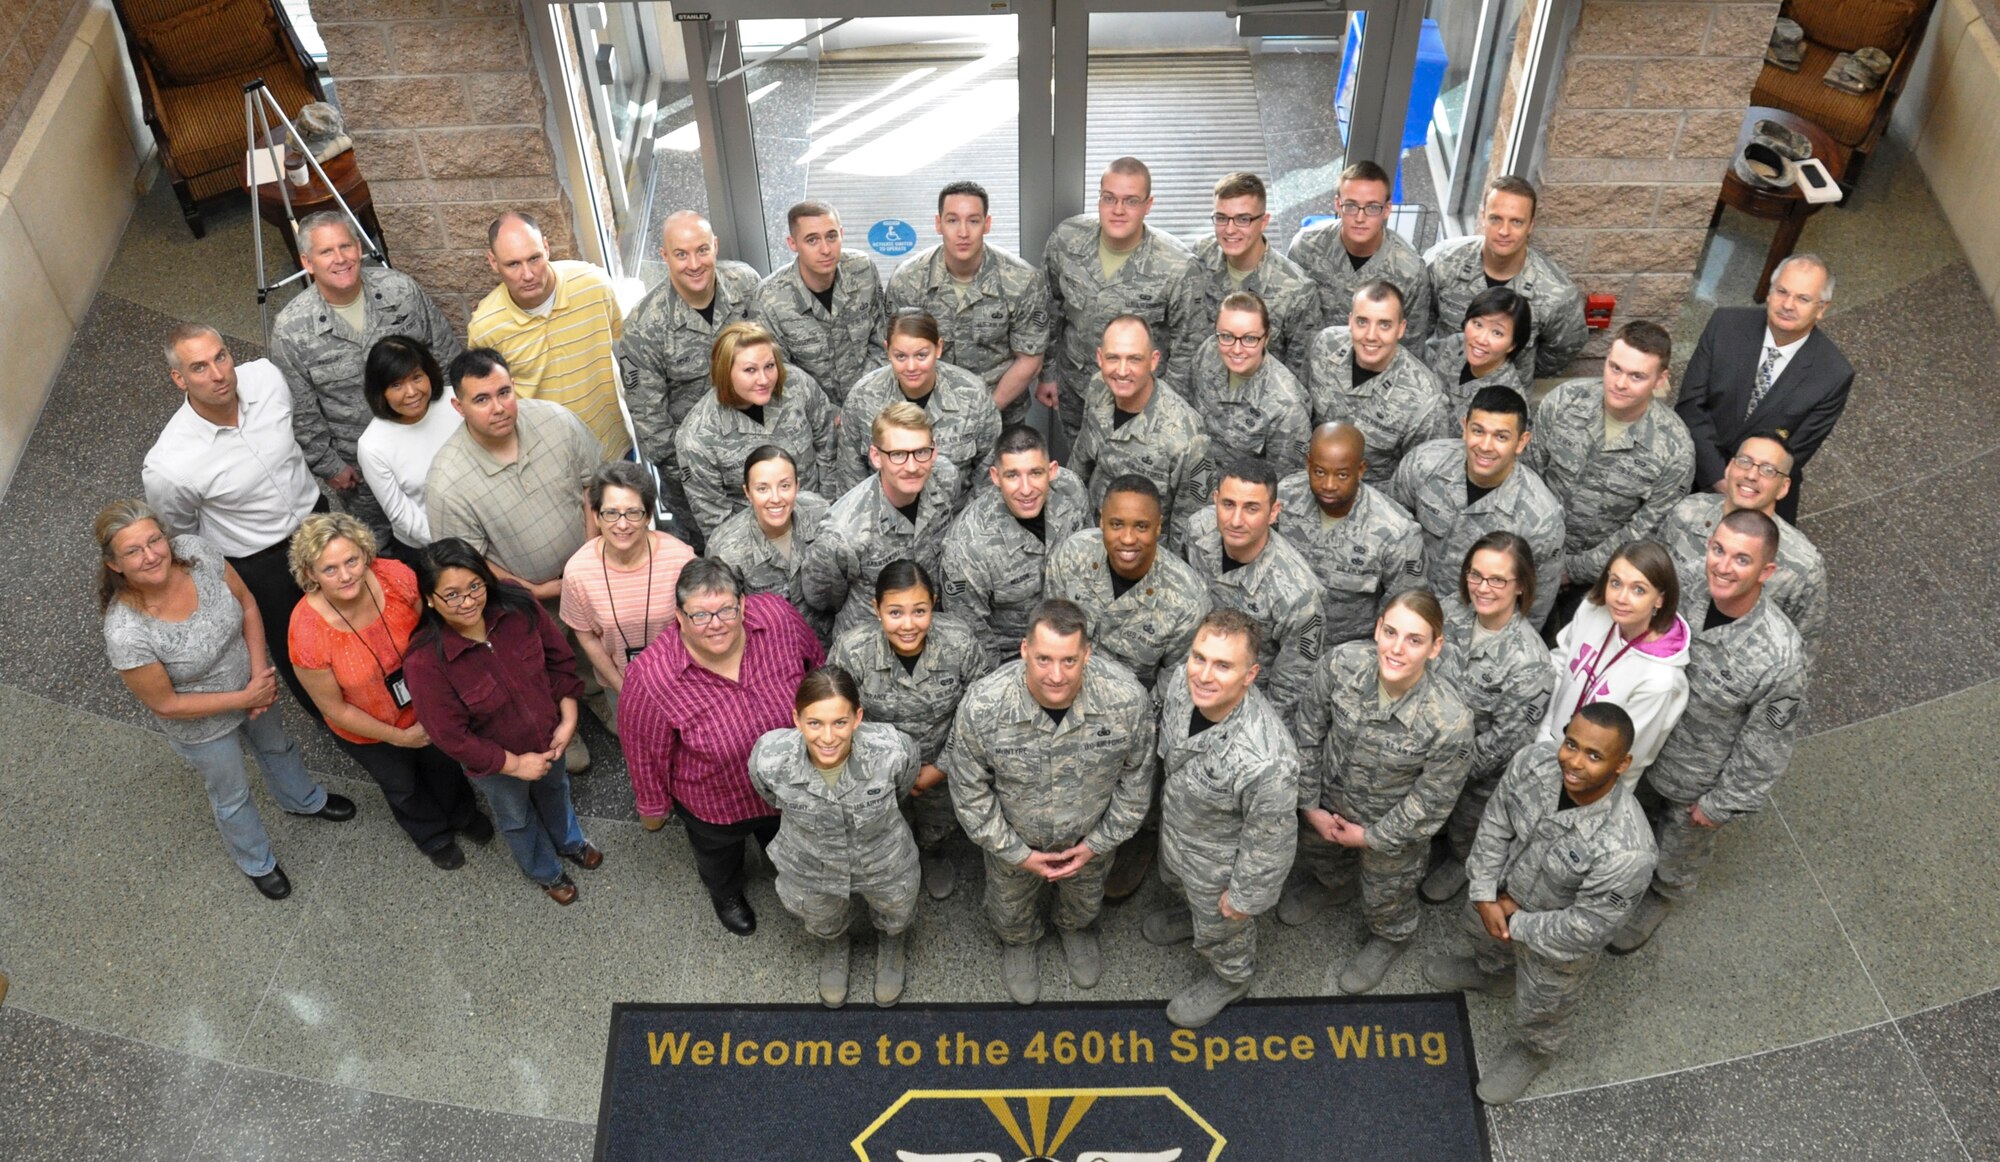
{"x":1546,"y":991}
{"x":1685,"y":847}
{"x":932,"y":817}
{"x":827,"y":916}
{"x":1464,"y":821}
{"x":1014,"y":899}
{"x":360,"y":503}
{"x":1229,"y":946}
{"x":1388,"y":880}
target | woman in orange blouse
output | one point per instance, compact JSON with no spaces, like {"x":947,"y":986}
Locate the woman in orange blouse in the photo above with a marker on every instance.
{"x":347,"y":640}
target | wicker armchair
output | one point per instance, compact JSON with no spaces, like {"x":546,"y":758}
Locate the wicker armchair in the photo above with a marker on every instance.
{"x":193,"y":58}
{"x":1856,"y":121}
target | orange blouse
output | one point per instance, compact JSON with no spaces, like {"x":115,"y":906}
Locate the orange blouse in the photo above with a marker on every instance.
{"x":361,"y":662}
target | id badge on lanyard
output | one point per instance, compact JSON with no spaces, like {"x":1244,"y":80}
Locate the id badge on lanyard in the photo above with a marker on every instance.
{"x":399,"y":690}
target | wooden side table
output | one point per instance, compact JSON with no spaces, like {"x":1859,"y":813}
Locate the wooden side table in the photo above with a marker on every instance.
{"x":1787,"y":207}
{"x":313,"y":197}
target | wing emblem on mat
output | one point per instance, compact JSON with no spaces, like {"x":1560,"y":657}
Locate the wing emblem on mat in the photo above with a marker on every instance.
{"x":1141,"y":1124}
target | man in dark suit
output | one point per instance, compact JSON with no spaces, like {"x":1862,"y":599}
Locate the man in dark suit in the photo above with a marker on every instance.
{"x":1768,"y":370}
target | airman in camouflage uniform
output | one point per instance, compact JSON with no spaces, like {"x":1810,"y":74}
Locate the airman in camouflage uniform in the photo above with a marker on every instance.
{"x":1155,"y":284}
{"x":960,"y":406}
{"x":1432,"y":485}
{"x":1146,"y":628}
{"x":1360,"y":560}
{"x":1278,"y":591}
{"x":994,"y":564}
{"x":324,"y":360}
{"x":1458,"y":272}
{"x":919,"y":702}
{"x":987,"y":323}
{"x":1164,"y":443}
{"x":1267,"y":416}
{"x":836,"y":346}
{"x":665,"y":352}
{"x":1613,"y":489}
{"x":1746,"y":694}
{"x":765,"y":567}
{"x":1228,"y":825}
{"x":1288,"y":294}
{"x":863,"y":532}
{"x":1446,"y":356}
{"x":1799,"y":587}
{"x":712,"y":442}
{"x":1400,"y":408}
{"x":1394,"y":768}
{"x":1025,"y":783}
{"x":1322,"y":252}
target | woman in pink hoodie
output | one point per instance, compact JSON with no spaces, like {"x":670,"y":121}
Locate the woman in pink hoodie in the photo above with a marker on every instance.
{"x":1627,"y":646}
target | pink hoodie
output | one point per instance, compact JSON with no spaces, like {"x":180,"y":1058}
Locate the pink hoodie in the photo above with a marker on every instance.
{"x":1649,"y":680}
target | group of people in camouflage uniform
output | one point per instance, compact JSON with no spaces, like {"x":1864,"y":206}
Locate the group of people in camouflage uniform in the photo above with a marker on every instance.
{"x":1354,"y":672}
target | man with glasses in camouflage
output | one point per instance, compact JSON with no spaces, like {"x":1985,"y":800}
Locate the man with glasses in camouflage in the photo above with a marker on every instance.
{"x":1240,"y":259}
{"x":1344,"y":255}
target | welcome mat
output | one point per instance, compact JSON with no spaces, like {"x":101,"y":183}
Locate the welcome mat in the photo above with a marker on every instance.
{"x":1271,"y":1080}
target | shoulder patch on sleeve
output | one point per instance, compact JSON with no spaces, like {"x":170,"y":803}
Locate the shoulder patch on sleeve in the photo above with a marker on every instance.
{"x":1537,"y":708}
{"x":1414,"y":567}
{"x":1782,"y":711}
{"x":1309,"y":648}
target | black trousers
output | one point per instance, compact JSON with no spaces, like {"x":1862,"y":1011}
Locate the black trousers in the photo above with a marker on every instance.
{"x":267,"y":574}
{"x":427,"y":792}
{"x":718,"y":850}
{"x":1568,"y":600}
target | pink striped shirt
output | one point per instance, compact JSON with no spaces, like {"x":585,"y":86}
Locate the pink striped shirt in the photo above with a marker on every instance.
{"x":622,"y":609}
{"x":687,"y":731}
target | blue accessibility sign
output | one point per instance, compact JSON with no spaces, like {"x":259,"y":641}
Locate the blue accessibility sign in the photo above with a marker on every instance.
{"x":892,"y":236}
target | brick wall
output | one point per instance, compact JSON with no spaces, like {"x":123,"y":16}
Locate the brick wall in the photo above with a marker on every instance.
{"x":446,"y":112}
{"x":1650,"y":101}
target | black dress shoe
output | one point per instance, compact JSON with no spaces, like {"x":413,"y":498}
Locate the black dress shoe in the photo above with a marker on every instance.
{"x":736,"y":915}
{"x":273,"y":883}
{"x":479,"y":829}
{"x":337,"y":809}
{"x":448,"y":857}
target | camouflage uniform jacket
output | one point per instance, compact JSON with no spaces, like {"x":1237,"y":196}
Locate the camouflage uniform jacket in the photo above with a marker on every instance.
{"x":1799,"y":587}
{"x":1401,"y":407}
{"x":713,"y":441}
{"x":1151,"y":626}
{"x":1361,"y":560}
{"x":1746,"y":694}
{"x":965,"y":422}
{"x":324,"y":360}
{"x":665,"y":354}
{"x":740,"y":542}
{"x":1575,"y":873}
{"x":1432,"y":483}
{"x":1164,"y":443}
{"x":1504,"y":678}
{"x":863,"y":532}
{"x":1005,"y":311}
{"x":1458,"y":274}
{"x":1396,"y":770}
{"x":1323,"y":256}
{"x":1023,"y":784}
{"x":848,"y":837}
{"x":1156,"y":284}
{"x":1229,"y":798}
{"x":1279,"y":592}
{"x":1290,"y":297}
{"x":1610,"y":495}
{"x":1266,"y":417}
{"x":917,"y":702}
{"x":1446,"y":356}
{"x":837,"y":347}
{"x":993,"y":567}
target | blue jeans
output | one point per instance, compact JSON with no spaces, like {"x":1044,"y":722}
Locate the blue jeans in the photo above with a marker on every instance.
{"x":220,"y":762}
{"x":537,"y":819}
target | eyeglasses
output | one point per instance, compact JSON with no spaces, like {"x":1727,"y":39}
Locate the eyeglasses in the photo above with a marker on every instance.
{"x":1107,"y":198}
{"x":1225,"y":339}
{"x":152,"y":544}
{"x":700,"y":618}
{"x":900,"y":458}
{"x":1240,"y":221}
{"x":1477,"y":580}
{"x":612,"y":516}
{"x":1370,"y":210}
{"x":1767,"y":471}
{"x":466,"y":596}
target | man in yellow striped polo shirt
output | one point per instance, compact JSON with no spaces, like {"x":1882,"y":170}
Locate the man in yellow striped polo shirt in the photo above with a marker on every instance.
{"x":556,"y":323}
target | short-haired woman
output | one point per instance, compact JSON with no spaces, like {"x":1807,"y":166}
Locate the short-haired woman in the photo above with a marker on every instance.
{"x":758,"y":399}
{"x":767,"y":541}
{"x":496,"y":686}
{"x":348,"y":637}
{"x":959,"y":402}
{"x":1480,"y":354}
{"x":186,"y":638}
{"x":402,"y":385}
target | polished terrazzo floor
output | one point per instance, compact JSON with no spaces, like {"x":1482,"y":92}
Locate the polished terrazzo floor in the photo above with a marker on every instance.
{"x":1828,"y":994}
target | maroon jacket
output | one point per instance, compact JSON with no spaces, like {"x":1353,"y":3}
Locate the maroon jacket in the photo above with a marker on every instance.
{"x":480,"y":700}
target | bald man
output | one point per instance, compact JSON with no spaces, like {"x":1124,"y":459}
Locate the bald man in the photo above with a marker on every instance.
{"x":1363,"y":546}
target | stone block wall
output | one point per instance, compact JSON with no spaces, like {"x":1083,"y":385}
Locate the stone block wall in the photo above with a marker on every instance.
{"x":446,"y":112}
{"x":33,"y":34}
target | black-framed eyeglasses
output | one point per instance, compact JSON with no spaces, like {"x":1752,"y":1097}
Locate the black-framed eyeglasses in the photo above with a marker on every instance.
{"x":612,"y":516}
{"x":903,"y":456}
{"x":1240,"y":221}
{"x":1477,"y":580}
{"x":1361,"y":209}
{"x":700,"y":618}
{"x":455,"y":598}
{"x":1225,"y":339}
{"x":1767,"y":471}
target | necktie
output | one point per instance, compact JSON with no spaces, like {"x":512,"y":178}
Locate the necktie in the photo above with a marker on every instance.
{"x":1763,"y":387}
